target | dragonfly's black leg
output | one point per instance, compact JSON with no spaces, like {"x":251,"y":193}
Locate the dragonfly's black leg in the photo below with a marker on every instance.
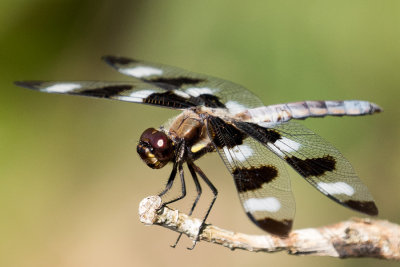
{"x":215,"y":193}
{"x":172,"y":176}
{"x":170,"y":180}
{"x":183,"y":186}
{"x":198,"y":188}
{"x":199,"y":191}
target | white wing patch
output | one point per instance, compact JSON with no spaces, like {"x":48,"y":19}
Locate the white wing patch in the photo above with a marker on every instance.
{"x":337,"y":188}
{"x":269,"y":204}
{"x":286,"y":145}
{"x":137,"y":96}
{"x":194,"y":91}
{"x":62,"y":87}
{"x":239,"y":152}
{"x":275,"y":150}
{"x":141,"y":71}
{"x":181,"y":94}
{"x":235,"y":107}
{"x":141,"y":94}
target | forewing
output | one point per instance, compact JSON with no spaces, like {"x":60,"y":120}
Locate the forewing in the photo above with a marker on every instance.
{"x":321,"y":164}
{"x":228,"y":94}
{"x":133,"y":91}
{"x":157,"y":84}
{"x":261,"y":178}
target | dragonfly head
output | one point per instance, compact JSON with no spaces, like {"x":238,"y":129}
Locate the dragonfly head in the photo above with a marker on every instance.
{"x":155,"y":148}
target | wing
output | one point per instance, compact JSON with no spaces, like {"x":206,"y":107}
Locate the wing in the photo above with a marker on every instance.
{"x":233,"y":96}
{"x":135,"y":91}
{"x":261,"y":178}
{"x":157,"y":84}
{"x":317,"y":161}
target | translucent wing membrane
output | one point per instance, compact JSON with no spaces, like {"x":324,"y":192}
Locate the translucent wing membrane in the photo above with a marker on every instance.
{"x":260,"y":177}
{"x":134,"y":91}
{"x":157,"y":84}
{"x":233,"y":96}
{"x":317,"y":161}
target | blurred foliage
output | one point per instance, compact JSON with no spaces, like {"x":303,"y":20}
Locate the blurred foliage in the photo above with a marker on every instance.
{"x":70,"y":179}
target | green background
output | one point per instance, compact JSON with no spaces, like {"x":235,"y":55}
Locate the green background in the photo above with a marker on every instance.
{"x":70,"y":179}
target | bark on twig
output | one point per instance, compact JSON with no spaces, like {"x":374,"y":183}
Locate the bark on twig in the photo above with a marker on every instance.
{"x":352,"y":238}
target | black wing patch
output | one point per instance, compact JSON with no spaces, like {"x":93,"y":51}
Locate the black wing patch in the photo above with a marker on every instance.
{"x":312,"y":167}
{"x":115,"y":60}
{"x":171,"y":83}
{"x":225,"y":134}
{"x":106,"y":91}
{"x":254,"y":177}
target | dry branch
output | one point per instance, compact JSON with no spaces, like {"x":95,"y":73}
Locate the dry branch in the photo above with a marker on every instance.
{"x":352,"y":238}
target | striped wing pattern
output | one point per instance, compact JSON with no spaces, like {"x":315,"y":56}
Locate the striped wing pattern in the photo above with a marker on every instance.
{"x":236,"y":97}
{"x":133,"y":91}
{"x":317,"y":161}
{"x":157,"y":84}
{"x":261,"y":178}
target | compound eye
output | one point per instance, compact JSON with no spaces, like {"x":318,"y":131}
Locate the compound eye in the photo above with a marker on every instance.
{"x":155,"y":148}
{"x":156,"y":140}
{"x":148,"y":134}
{"x":159,"y":141}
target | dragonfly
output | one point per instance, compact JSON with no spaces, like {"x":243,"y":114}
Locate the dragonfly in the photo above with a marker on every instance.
{"x":256,"y":142}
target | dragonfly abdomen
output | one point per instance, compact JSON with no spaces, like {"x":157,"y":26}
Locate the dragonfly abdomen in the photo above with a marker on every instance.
{"x":306,"y":109}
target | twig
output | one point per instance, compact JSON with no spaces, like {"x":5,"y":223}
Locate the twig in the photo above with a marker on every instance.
{"x":352,"y":238}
